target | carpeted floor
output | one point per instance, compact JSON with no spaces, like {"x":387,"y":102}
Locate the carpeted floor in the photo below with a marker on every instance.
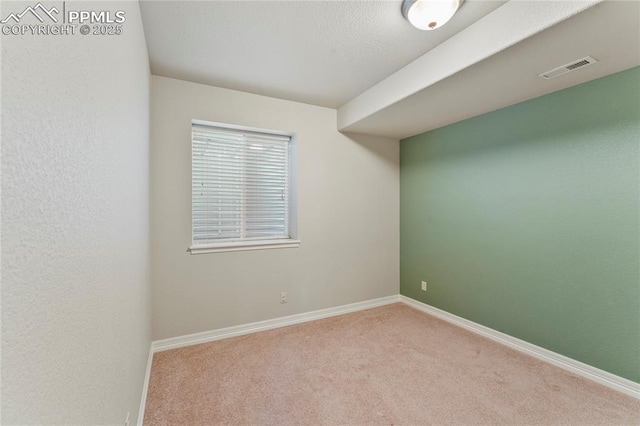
{"x":391,"y":365}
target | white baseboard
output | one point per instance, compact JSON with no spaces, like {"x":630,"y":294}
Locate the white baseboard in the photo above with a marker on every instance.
{"x":145,"y":388}
{"x":612,"y":381}
{"x":254,"y":327}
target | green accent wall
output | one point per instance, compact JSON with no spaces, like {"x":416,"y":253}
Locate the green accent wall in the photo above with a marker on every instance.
{"x":527,"y":220}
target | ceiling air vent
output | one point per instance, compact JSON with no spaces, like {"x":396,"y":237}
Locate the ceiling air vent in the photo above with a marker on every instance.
{"x":571,"y":66}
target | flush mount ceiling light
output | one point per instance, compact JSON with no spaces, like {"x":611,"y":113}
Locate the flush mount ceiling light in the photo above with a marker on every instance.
{"x":429,"y":14}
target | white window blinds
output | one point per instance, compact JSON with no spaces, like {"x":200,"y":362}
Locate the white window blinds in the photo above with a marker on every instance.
{"x":240,"y":185}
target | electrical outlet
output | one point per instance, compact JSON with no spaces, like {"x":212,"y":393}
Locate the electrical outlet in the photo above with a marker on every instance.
{"x":128,"y":420}
{"x":424,"y":286}
{"x":283,"y":297}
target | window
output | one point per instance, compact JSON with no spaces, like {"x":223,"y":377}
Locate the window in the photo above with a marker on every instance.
{"x":242,"y":192}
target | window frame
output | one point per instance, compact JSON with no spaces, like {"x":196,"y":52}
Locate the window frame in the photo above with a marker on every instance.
{"x":252,"y":244}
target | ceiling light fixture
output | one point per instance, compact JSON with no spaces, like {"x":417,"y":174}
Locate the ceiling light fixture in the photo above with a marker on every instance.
{"x":429,"y":14}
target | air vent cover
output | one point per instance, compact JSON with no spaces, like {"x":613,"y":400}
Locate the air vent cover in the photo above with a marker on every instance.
{"x":571,"y":66}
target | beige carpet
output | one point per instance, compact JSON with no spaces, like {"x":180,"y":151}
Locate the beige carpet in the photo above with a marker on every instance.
{"x":391,"y":365}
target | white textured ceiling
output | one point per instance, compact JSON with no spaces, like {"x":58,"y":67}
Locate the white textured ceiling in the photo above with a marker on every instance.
{"x":608,"y":31}
{"x":317,"y":52}
{"x":384,"y":76}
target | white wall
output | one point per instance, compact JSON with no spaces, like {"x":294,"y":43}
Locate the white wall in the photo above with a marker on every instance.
{"x":348,"y":221}
{"x":75,"y":248}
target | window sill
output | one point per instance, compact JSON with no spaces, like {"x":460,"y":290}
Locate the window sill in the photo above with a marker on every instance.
{"x":244,"y":245}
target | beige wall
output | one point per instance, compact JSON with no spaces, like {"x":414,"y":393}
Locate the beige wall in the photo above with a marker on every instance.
{"x":76,"y":296}
{"x":348,"y":216}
